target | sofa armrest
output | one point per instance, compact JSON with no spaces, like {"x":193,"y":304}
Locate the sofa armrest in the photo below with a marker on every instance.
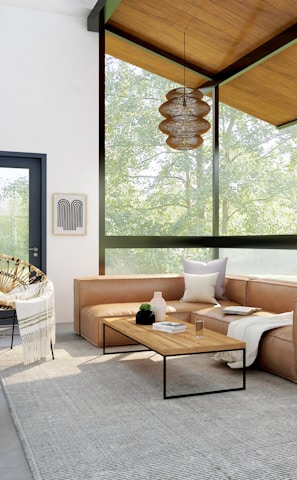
{"x":294,"y":334}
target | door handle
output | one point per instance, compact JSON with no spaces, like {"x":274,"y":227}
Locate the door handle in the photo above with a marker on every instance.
{"x":35,"y":251}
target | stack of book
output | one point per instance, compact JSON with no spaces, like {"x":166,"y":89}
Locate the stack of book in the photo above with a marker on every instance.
{"x":169,"y":327}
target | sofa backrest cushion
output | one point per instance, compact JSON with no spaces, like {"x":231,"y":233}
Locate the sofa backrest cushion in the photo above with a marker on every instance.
{"x":236,"y":288}
{"x":128,"y":288}
{"x":272,"y":295}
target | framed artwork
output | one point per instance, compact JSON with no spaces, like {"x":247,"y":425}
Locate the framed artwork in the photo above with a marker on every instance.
{"x":69,"y":214}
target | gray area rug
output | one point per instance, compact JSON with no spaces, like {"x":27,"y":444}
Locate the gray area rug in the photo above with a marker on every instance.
{"x":89,"y":416}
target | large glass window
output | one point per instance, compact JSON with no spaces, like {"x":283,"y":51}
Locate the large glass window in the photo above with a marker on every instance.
{"x":152,"y":260}
{"x":153,"y":191}
{"x":272,"y":263}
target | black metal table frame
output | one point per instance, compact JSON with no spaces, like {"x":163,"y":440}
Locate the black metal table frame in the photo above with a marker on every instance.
{"x":165,"y":396}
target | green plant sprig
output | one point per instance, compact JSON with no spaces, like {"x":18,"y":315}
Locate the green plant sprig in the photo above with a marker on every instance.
{"x":144,"y":307}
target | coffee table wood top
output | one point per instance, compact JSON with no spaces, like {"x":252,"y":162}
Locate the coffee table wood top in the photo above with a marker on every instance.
{"x":183,"y":343}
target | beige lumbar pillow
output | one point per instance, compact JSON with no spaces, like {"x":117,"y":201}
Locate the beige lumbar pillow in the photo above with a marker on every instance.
{"x":200,"y":288}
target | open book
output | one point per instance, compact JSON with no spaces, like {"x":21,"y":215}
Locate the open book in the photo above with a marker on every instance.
{"x":238,"y":310}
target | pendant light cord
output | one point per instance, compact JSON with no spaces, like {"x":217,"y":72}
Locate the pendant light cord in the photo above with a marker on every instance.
{"x":184,"y":102}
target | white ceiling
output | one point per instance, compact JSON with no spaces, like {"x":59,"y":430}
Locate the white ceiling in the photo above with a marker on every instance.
{"x":80,"y":8}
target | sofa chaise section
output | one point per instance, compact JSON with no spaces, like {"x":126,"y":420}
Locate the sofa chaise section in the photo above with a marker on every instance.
{"x":278,"y":347}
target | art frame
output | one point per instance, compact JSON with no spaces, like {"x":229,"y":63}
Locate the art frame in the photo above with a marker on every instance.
{"x":69,"y":214}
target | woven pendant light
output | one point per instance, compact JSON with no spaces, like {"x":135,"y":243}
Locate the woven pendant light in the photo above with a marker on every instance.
{"x":184,"y":123}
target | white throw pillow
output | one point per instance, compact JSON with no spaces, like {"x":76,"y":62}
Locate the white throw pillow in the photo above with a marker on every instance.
{"x":200,"y":288}
{"x":201,"y":268}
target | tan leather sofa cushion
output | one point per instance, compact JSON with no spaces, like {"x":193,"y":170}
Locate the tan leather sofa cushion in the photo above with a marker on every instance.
{"x":271,"y":295}
{"x":215,"y":319}
{"x":236,"y":288}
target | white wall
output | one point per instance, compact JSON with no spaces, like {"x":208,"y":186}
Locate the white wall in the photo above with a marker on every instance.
{"x":49,"y":104}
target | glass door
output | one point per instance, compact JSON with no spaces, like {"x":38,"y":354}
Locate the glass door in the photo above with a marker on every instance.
{"x":22,"y":207}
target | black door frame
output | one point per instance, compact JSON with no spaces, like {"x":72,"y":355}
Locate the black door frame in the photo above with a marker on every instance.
{"x":42,"y":159}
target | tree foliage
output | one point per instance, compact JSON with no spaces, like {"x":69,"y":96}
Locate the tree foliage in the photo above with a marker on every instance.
{"x":14,"y":222}
{"x":156,"y":190}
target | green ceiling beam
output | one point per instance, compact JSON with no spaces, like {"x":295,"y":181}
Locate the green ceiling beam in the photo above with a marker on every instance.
{"x":261,"y":54}
{"x":258,"y":62}
{"x":288,"y":124}
{"x":109,"y":7}
{"x":159,"y":52}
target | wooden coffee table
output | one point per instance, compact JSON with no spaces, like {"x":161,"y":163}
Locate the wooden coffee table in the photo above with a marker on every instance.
{"x":174,"y":345}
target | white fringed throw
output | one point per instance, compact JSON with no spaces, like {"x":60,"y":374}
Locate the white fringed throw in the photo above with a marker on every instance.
{"x":36,"y":318}
{"x":250,"y":330}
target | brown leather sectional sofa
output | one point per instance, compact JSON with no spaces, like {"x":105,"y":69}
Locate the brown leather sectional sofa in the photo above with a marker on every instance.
{"x":113,"y":296}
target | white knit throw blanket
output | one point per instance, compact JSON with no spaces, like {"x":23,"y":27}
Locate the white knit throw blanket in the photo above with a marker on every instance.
{"x":36,"y":318}
{"x":250,"y":330}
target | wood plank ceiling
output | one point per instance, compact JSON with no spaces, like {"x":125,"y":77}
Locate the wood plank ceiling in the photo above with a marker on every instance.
{"x":248,"y":47}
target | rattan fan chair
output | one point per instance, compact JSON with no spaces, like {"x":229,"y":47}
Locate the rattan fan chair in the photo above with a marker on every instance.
{"x":15,"y":273}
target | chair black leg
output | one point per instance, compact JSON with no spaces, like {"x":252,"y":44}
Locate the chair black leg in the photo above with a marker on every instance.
{"x":52,"y":350}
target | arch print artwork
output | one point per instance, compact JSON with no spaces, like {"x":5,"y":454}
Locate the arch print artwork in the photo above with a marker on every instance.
{"x":69,"y":214}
